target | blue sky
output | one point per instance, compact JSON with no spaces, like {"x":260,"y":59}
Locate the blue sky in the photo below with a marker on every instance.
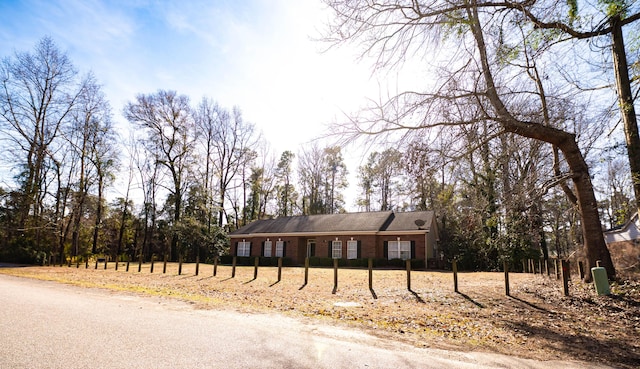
{"x":255,"y":54}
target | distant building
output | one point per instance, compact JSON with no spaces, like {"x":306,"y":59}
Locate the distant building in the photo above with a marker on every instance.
{"x":387,"y":234}
{"x":624,"y":245}
{"x":628,"y":232}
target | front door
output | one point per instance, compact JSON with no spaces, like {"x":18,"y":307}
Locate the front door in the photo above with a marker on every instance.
{"x":311,"y":247}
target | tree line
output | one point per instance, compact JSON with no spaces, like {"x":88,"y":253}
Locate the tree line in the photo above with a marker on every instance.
{"x":203,"y":170}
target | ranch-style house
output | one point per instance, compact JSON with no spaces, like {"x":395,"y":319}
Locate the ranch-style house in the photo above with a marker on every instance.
{"x":385,"y":234}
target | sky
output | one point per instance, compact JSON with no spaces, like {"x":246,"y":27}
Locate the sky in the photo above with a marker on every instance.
{"x":259,"y":55}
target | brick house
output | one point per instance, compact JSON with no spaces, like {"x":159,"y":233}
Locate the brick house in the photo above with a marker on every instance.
{"x":378,"y":235}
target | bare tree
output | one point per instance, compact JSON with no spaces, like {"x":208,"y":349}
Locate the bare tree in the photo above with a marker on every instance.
{"x":285,"y":189}
{"x":149,"y":177}
{"x":38,"y":92}
{"x":208,"y":118}
{"x":311,"y":176}
{"x":337,"y":181}
{"x":166,"y":118}
{"x":607,"y":18}
{"x":91,"y":139}
{"x":475,"y":79}
{"x":233,"y":140}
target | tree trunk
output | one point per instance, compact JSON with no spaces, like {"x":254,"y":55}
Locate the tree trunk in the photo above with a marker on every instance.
{"x":627,"y":109}
{"x":96,"y":228}
{"x":594,"y":245}
{"x":123,"y":220}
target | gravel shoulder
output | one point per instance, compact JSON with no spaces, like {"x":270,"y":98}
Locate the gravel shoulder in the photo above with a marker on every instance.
{"x":536,"y":322}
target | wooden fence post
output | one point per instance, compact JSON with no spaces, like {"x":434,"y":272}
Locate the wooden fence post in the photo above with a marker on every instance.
{"x":233,"y":266}
{"x":454,"y":267}
{"x":105,"y":262}
{"x":408,"y":265}
{"x":215,"y":265}
{"x":140,"y":257}
{"x":306,"y":270}
{"x":581,"y":269}
{"x":532,"y":266}
{"x":180,"y":264}
{"x":540,"y":266}
{"x":117,"y":262}
{"x":335,"y":275}
{"x":279,"y":269}
{"x":370,"y":273}
{"x":255,"y":267}
{"x":197,"y":263}
{"x":546,"y":266}
{"x":153,"y":257}
{"x":164,"y":266}
{"x":506,"y":278}
{"x":127,"y":263}
{"x":77,"y":262}
{"x":96,"y":263}
{"x":86,"y":262}
{"x":565,"y":277}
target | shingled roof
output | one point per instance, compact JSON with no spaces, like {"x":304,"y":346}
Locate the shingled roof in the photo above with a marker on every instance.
{"x":370,"y":222}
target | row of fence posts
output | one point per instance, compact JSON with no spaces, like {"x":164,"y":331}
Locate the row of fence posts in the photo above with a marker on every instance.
{"x":105,"y":262}
{"x":561,"y":268}
{"x":563,"y":272}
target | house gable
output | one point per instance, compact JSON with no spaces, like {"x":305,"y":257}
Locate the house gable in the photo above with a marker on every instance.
{"x":630,"y":231}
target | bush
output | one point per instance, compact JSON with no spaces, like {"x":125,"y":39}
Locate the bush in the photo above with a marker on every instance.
{"x":23,"y":255}
{"x":250,"y":260}
{"x":321,"y":262}
{"x":364,"y":263}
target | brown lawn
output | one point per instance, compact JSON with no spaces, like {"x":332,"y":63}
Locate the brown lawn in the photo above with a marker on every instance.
{"x":537,"y":321}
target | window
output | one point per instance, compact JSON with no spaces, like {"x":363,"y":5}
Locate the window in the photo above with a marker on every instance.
{"x":399,"y":250}
{"x":336,"y":249}
{"x":352,"y":249}
{"x":244,"y":248}
{"x":267,"y":248}
{"x":279,"y":249}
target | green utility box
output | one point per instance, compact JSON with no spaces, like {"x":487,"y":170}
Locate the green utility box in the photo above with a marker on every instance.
{"x":600,"y":280}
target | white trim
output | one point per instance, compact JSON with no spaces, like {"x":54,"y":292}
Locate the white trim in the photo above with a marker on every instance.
{"x":399,"y":249}
{"x":393,"y":233}
{"x":279,"y":249}
{"x":336,"y":249}
{"x":341,"y":233}
{"x":246,"y":248}
{"x":307,"y":234}
{"x":269,"y":249}
{"x":352,"y":253}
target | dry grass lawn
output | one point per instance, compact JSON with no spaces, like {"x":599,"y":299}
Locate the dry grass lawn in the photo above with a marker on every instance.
{"x":536,"y":322}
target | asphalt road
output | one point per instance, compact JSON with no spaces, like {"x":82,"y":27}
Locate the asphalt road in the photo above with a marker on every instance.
{"x":49,"y":325}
